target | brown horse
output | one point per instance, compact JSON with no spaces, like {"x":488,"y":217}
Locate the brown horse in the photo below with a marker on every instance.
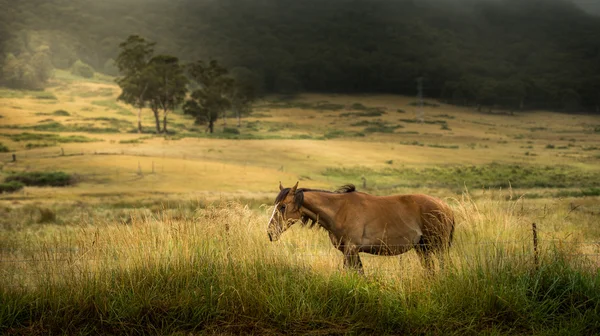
{"x":359,"y":222}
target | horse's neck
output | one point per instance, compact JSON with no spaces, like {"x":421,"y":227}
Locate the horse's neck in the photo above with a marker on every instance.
{"x":321,"y":207}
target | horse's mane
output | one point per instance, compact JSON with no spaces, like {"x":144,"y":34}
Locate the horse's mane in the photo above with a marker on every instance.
{"x":299,"y":195}
{"x":348,"y":188}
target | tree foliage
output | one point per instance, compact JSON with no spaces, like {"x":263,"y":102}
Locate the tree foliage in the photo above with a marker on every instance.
{"x":132,"y":63}
{"x":166,"y":86}
{"x":526,"y":53}
{"x":82,"y":70}
{"x":212,"y":97}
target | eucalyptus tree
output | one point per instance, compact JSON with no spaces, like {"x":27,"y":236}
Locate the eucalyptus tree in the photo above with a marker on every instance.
{"x":212,"y":97}
{"x":132,"y":62}
{"x":167,"y":87}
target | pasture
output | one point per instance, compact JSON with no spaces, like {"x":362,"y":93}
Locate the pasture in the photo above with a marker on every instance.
{"x":167,"y":234}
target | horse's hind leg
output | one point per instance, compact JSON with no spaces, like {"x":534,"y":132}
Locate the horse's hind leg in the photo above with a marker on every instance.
{"x":424,"y":253}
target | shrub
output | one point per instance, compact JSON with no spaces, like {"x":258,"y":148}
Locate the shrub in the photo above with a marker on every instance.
{"x":41,"y":179}
{"x":61,"y":113}
{"x":43,"y":95}
{"x":358,"y":106}
{"x":3,"y":148}
{"x":46,"y":216}
{"x":231,"y":130}
{"x":82,"y":70}
{"x":38,"y":145}
{"x":10,"y":187}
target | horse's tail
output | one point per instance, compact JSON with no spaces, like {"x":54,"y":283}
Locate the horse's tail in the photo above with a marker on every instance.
{"x":451,"y":236}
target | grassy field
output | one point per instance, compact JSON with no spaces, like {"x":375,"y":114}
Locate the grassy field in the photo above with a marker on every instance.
{"x":167,"y":234}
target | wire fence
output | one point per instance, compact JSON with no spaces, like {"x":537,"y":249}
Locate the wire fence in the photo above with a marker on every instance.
{"x":114,"y":254}
{"x":23,"y":268}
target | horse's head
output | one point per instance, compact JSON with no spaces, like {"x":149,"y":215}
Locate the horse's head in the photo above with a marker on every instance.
{"x":286,"y":211}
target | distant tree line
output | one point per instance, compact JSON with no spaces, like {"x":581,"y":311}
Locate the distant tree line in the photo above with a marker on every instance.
{"x":161,"y":82}
{"x":513,"y":54}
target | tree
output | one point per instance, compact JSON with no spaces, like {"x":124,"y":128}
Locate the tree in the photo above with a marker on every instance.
{"x":26,"y":72}
{"x":132,"y":63}
{"x":511,"y":94}
{"x":244,"y":92}
{"x":41,"y":63}
{"x":166,"y":87}
{"x":213,"y":94}
{"x":82,"y":69}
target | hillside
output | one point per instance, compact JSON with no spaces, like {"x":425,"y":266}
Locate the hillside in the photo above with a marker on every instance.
{"x":323,"y":140}
{"x":168,"y":234}
{"x":517,"y":54}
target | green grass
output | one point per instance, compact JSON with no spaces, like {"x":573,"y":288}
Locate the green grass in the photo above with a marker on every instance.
{"x":338,"y":133}
{"x":212,"y":271}
{"x":132,"y":141}
{"x":48,"y":137}
{"x":457,"y":177}
{"x":382,"y":128}
{"x":42,"y":179}
{"x":375,"y":112}
{"x":11,"y":93}
{"x":112,"y":122}
{"x":39,"y":145}
{"x":10,"y":187}
{"x":289,"y":104}
{"x":43,"y":95}
{"x":425,"y":103}
{"x":53,"y":126}
{"x":3,"y":148}
{"x":444,"y":116}
{"x":443,"y":146}
{"x":101,"y":92}
{"x":61,"y":113}
{"x":111,"y":104}
{"x":588,"y":192}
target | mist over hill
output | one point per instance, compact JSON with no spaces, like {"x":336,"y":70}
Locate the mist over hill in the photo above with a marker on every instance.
{"x":590,"y":6}
{"x":512,"y":53}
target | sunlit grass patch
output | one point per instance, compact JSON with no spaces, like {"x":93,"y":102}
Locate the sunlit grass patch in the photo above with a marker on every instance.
{"x":457,"y":177}
{"x":111,"y":104}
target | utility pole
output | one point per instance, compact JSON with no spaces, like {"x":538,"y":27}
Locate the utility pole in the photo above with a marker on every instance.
{"x":420,"y":113}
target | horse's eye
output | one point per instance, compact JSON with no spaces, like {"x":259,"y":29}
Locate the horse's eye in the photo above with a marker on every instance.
{"x":283,"y":207}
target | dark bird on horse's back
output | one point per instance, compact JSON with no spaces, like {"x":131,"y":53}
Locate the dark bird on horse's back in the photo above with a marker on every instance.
{"x":360,"y":222}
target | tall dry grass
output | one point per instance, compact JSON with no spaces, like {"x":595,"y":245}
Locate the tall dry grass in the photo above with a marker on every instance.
{"x":215,"y":270}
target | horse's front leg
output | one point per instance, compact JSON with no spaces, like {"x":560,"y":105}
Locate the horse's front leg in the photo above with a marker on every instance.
{"x":352,"y":261}
{"x":351,"y":257}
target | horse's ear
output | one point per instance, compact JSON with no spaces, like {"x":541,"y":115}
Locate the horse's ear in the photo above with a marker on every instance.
{"x":280,"y":186}
{"x":293,"y":190}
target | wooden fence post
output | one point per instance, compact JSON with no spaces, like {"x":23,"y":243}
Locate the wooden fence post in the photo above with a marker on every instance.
{"x":14,"y":157}
{"x":536,"y":258}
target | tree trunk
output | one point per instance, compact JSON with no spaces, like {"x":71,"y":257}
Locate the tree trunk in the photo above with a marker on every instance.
{"x":157,"y":119}
{"x":224,"y":119}
{"x":521,"y":104}
{"x":165,"y":124}
{"x":140,"y":120}
{"x":239,"y":117}
{"x":211,"y":126}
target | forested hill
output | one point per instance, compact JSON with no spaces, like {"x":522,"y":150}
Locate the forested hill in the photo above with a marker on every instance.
{"x":513,"y":53}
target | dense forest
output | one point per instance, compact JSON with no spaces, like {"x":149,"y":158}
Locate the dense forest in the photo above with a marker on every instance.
{"x":517,"y":54}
